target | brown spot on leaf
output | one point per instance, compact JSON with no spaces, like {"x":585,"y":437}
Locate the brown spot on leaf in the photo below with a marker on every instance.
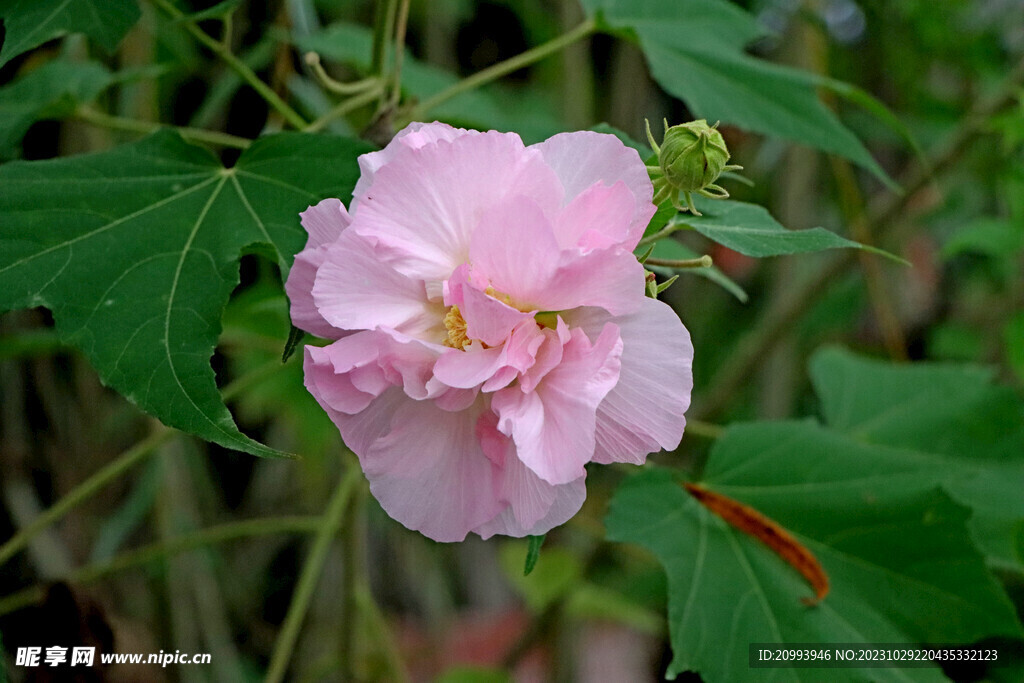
{"x":750,"y":521}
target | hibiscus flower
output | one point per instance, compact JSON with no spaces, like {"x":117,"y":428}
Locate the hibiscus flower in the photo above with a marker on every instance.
{"x":491,"y":331}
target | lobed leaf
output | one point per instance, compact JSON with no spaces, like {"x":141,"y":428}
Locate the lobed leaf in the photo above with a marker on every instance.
{"x":135,"y":250}
{"x":918,"y":468}
{"x":966,"y":430}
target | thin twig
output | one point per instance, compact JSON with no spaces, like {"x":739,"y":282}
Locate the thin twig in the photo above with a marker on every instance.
{"x":236,"y":65}
{"x":401,"y":24}
{"x":329,"y":525}
{"x":212,"y":137}
{"x":84,"y":491}
{"x":172,"y":546}
{"x":345,"y":107}
{"x":493,"y":73}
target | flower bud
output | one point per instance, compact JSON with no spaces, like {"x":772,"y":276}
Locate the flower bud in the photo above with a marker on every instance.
{"x":693,"y":155}
{"x":690,"y":159}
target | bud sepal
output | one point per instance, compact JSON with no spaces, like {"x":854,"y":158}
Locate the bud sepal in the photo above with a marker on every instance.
{"x":691,"y":157}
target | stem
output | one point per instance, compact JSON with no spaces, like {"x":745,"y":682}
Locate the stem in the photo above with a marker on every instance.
{"x":396,"y":74}
{"x":345,"y":107}
{"x":212,"y":137}
{"x":236,"y":65}
{"x":172,"y":546}
{"x":382,"y":29}
{"x":83,"y":491}
{"x":704,"y":429}
{"x":312,"y":60}
{"x":661,"y":234}
{"x":702,"y":262}
{"x":852,"y":204}
{"x":493,"y":73}
{"x":31,"y":343}
{"x":329,"y":525}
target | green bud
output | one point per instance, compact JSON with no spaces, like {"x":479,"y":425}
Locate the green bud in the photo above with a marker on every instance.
{"x":690,"y":159}
{"x":693,"y":155}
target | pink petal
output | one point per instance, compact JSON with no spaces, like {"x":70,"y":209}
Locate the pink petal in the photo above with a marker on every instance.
{"x":299,"y":288}
{"x":324,"y":222}
{"x":534,"y":506}
{"x":425,"y":465}
{"x":554,"y":426}
{"x":515,"y":249}
{"x":355,"y":290}
{"x":487,"y":319}
{"x":583,"y":158}
{"x":424,"y":205}
{"x":597,"y":218}
{"x":413,"y":136}
{"x":334,"y":389}
{"x":644,"y":412}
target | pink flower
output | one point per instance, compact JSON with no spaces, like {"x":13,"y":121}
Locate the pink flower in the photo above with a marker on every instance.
{"x":492,"y":333}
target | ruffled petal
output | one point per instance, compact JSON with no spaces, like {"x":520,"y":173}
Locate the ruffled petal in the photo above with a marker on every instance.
{"x":425,"y":465}
{"x":413,"y":136}
{"x":644,"y":412}
{"x":553,"y":427}
{"x":597,"y":218}
{"x":515,"y":250}
{"x":583,"y":158}
{"x":354,"y":290}
{"x":424,"y":205}
{"x":533,"y":505}
{"x":324,"y":223}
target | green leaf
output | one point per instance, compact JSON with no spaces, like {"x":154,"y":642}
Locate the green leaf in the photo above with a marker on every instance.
{"x":135,"y":251}
{"x":558,"y":572}
{"x":532,"y":553}
{"x":52,"y":91}
{"x":900,"y":560}
{"x":695,"y":49}
{"x":967,"y":431}
{"x":29,"y":23}
{"x":492,"y":106}
{"x":751,"y":230}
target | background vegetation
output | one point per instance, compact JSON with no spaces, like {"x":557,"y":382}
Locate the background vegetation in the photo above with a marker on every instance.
{"x":278,"y":570}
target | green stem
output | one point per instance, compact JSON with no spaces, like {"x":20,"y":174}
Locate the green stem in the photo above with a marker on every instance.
{"x":236,"y":65}
{"x":329,"y":525}
{"x":661,"y":234}
{"x":31,"y":343}
{"x":212,"y":137}
{"x":83,"y":491}
{"x":172,"y":546}
{"x":492,"y":73}
{"x":382,"y":29}
{"x":396,"y":73}
{"x":704,"y":429}
{"x":702,"y":262}
{"x":345,"y":107}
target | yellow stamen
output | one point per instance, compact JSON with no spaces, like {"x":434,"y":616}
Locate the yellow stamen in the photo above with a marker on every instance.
{"x":456,"y":326}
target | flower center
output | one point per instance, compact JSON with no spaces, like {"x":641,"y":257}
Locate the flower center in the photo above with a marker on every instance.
{"x":456,"y":326}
